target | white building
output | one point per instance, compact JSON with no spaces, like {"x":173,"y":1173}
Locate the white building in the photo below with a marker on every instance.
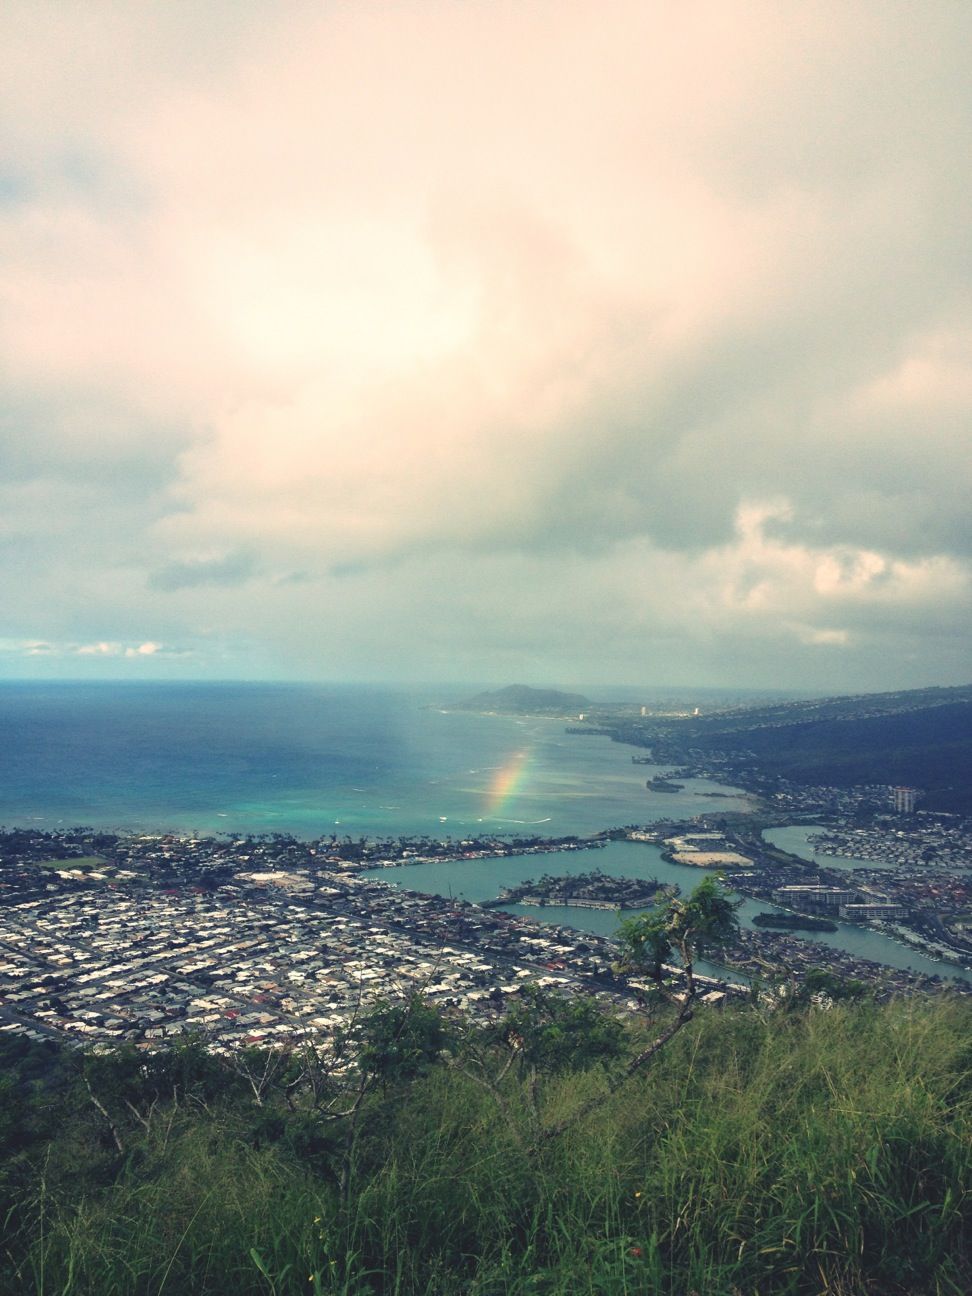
{"x":904,"y":799}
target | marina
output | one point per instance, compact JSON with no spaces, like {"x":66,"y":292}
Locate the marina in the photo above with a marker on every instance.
{"x":480,"y":880}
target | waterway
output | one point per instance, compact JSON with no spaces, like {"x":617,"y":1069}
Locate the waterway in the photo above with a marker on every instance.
{"x":794,"y":838}
{"x":478,"y":880}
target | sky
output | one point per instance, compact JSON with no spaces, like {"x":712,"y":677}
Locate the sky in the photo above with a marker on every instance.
{"x":561,"y":343}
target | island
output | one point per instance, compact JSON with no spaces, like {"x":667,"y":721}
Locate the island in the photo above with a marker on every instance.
{"x":594,"y":890}
{"x":793,"y":922}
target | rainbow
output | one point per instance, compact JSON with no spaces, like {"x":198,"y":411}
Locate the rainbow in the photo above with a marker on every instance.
{"x":506,"y":783}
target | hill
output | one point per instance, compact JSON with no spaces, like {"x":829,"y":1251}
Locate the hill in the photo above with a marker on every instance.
{"x":789,"y":1153}
{"x":921,"y":738}
{"x":519,"y":699}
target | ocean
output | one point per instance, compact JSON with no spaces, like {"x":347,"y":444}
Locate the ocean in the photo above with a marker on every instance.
{"x":310,"y":760}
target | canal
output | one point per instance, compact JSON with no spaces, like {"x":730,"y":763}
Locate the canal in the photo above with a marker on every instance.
{"x":482,"y":879}
{"x":794,"y":839}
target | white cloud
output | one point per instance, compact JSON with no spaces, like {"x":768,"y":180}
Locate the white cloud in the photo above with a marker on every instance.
{"x":766,"y":575}
{"x":103,"y":648}
{"x":143,"y":650}
{"x":543,"y":295}
{"x":822,"y":637}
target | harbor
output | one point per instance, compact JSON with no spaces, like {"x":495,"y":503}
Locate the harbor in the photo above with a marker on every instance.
{"x":480,"y":881}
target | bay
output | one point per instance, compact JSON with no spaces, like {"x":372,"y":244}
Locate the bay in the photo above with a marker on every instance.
{"x":311,"y":760}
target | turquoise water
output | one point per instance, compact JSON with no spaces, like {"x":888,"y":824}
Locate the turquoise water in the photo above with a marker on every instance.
{"x":793,"y":839}
{"x":317,"y":759}
{"x":477,"y":880}
{"x":310,"y":760}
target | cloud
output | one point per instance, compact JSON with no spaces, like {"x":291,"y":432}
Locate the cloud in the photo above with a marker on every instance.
{"x":104,"y":648}
{"x":823,"y":637}
{"x":233,"y":569}
{"x":622,"y":315}
{"x":101,"y":649}
{"x":144,"y":650}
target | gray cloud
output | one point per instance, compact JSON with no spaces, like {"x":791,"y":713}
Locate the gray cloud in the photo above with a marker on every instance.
{"x":664,"y":366}
{"x":231,"y":570}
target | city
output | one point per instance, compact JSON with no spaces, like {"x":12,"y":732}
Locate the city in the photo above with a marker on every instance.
{"x":272,"y":940}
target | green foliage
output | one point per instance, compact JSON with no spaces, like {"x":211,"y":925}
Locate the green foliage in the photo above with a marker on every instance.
{"x":128,"y":1075}
{"x":819,"y":981}
{"x":784,"y":1154}
{"x":397,"y":1042}
{"x":554,"y":1034}
{"x":689,"y":925}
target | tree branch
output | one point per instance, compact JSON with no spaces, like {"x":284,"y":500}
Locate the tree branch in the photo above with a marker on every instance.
{"x":101,"y":1108}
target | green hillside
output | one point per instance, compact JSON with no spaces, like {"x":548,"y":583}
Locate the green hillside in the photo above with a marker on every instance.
{"x":930,"y":749}
{"x":763,"y":1152}
{"x":921,"y":738}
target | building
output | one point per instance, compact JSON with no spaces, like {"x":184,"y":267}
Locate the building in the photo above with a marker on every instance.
{"x":877,"y":909}
{"x":905,"y":799}
{"x":814,"y":899}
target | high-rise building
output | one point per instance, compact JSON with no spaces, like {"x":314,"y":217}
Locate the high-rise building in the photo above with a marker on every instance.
{"x":904,"y":799}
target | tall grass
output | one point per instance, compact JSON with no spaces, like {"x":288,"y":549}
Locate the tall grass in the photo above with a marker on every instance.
{"x":826,"y":1152}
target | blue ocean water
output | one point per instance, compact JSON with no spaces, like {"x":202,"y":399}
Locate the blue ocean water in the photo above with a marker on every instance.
{"x":308,"y":760}
{"x":319,"y":759}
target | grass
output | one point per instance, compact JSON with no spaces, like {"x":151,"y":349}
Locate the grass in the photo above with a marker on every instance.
{"x":822,"y":1152}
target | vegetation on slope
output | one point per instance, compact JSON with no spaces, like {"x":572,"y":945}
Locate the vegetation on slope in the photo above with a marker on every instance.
{"x":920,"y":738}
{"x":805,"y":1149}
{"x":928,"y":749}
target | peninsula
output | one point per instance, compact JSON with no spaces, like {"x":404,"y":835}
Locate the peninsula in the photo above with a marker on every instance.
{"x":519,"y":699}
